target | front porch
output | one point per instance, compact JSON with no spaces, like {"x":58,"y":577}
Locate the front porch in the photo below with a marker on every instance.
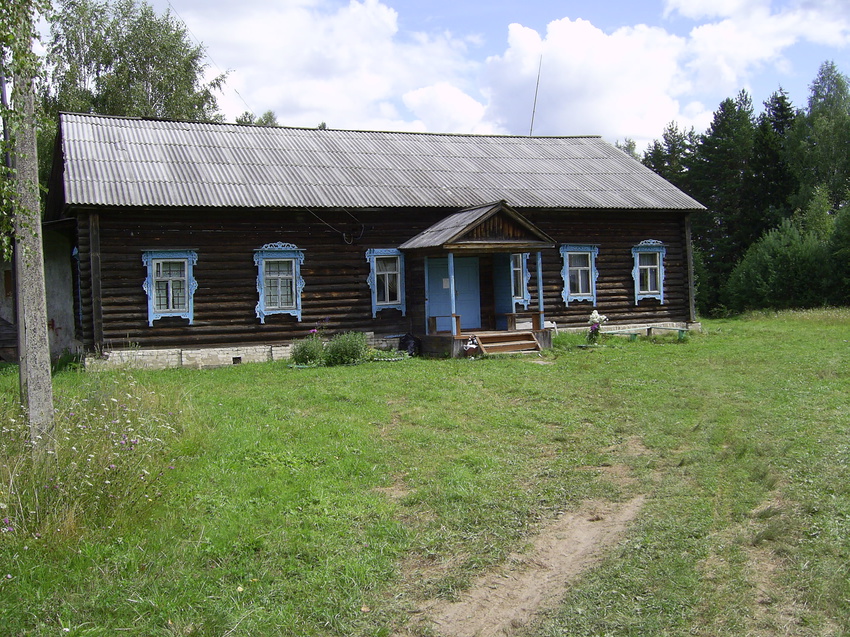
{"x":480,"y":342}
{"x":478,"y":290}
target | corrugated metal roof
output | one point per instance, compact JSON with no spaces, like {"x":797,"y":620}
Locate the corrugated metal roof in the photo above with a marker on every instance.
{"x":115,"y":161}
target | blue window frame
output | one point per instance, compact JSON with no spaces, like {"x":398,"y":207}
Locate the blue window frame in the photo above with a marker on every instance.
{"x":386,"y":279}
{"x":279,"y":282}
{"x":648,"y":271}
{"x":520,"y":276}
{"x":170,"y":283}
{"x":579,"y":273}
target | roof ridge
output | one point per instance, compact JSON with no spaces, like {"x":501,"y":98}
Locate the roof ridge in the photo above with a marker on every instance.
{"x":137,"y":118}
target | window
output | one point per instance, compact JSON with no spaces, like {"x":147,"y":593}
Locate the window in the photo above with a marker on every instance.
{"x":520,"y":277}
{"x":279,"y":282}
{"x":648,"y":270}
{"x":170,"y":284}
{"x":386,"y":279}
{"x":579,"y":273}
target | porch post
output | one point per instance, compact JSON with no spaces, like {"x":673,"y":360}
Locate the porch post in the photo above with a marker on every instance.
{"x":540,"y":289}
{"x":427,"y":302}
{"x":452,"y":291}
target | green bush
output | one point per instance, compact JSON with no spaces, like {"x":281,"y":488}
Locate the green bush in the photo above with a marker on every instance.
{"x":346,"y":349}
{"x":786,"y":268}
{"x":309,"y":351}
{"x":839,"y":247}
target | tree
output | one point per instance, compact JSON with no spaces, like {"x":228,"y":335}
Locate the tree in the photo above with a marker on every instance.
{"x":717,"y":172}
{"x":671,"y":156}
{"x":770,"y":183}
{"x":121,"y":58}
{"x":266,"y":119}
{"x":816,"y":218}
{"x":124,"y":59}
{"x":628,"y":146}
{"x":821,"y":136}
{"x":786,"y":268}
{"x":839,"y":251}
{"x":20,"y":209}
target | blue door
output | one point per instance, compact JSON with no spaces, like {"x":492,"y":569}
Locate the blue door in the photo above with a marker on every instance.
{"x":467,"y":296}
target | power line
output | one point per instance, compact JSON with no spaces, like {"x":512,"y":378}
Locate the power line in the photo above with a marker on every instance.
{"x":207,"y":55}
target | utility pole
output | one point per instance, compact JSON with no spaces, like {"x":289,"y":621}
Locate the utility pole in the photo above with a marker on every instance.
{"x":31,"y":299}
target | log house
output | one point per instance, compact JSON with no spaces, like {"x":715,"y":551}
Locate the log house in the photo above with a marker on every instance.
{"x":216,"y":237}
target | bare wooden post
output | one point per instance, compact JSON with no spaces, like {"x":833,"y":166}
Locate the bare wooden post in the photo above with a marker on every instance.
{"x":33,"y":344}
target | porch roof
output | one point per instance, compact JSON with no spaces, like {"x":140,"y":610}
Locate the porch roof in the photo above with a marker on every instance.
{"x":492,"y":227}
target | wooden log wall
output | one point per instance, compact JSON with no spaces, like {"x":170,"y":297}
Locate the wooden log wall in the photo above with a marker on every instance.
{"x":615,"y":233}
{"x":336,"y":295}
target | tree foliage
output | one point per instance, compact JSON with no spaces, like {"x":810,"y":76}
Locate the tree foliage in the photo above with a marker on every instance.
{"x":121,"y":58}
{"x":820,"y":138}
{"x":671,"y":156}
{"x":719,"y":169}
{"x":266,"y":119}
{"x":787,"y":268}
{"x":772,"y":184}
{"x":17,"y":60}
{"x":839,"y":253}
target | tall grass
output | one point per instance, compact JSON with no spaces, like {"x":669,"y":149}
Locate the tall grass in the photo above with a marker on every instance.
{"x":113,"y":438}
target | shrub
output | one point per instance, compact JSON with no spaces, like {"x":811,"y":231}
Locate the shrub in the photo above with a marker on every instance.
{"x":839,"y":247}
{"x":786,"y":268}
{"x":346,"y":349}
{"x":309,"y":351}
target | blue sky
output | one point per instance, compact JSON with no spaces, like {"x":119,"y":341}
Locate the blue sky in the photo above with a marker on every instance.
{"x":616,"y":68}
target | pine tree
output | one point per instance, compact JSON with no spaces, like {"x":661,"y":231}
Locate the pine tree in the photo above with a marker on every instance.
{"x":770,"y":183}
{"x":719,"y":169}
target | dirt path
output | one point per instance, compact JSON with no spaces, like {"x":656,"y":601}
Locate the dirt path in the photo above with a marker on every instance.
{"x":504,"y":600}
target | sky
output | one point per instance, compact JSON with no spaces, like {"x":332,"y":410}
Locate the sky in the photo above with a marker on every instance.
{"x":616,"y":68}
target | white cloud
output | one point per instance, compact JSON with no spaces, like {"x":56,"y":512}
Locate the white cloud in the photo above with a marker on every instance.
{"x":700,"y":9}
{"x":349,"y":65}
{"x":624,"y":84}
{"x":444,"y":107}
{"x":726,"y":54}
{"x":345,"y":65}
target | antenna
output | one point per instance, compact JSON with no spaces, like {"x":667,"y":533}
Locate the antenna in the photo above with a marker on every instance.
{"x":536,"y":89}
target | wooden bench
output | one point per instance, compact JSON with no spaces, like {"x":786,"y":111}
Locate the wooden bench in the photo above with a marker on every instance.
{"x":633,"y":333}
{"x":432,"y":322}
{"x":536,"y":323}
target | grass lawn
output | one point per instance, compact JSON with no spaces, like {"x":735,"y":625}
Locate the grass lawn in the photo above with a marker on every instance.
{"x":266,"y":500}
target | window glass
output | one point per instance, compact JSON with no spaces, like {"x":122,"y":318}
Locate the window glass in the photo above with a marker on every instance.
{"x":280,"y":284}
{"x":386,"y":272}
{"x":518,"y":277}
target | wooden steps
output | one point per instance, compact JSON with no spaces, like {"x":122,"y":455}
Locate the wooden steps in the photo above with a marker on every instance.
{"x":520,"y":342}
